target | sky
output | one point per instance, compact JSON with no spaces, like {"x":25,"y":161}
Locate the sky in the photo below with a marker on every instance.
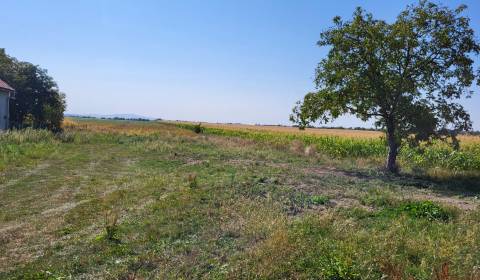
{"x":240,"y":61}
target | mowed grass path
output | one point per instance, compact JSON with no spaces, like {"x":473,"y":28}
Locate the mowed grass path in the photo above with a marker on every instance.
{"x":186,"y":205}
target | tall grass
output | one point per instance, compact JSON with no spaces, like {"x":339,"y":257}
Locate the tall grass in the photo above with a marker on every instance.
{"x":28,"y":135}
{"x":24,"y":145}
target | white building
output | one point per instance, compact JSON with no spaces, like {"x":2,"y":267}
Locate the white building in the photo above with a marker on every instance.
{"x":6,"y":92}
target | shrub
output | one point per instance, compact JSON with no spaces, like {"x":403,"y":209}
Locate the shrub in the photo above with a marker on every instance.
{"x":420,"y":209}
{"x":198,"y":128}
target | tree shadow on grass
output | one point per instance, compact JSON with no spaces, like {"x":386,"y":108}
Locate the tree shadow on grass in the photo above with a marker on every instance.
{"x":461,"y":184}
{"x":465,"y":185}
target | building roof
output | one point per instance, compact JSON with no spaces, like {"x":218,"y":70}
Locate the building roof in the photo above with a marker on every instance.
{"x":5,"y":87}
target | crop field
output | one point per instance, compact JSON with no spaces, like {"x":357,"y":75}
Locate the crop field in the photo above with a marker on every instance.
{"x":344,"y":143}
{"x":160,"y":200}
{"x":349,"y":133}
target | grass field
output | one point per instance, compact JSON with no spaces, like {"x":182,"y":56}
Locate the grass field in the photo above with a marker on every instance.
{"x":153,"y":200}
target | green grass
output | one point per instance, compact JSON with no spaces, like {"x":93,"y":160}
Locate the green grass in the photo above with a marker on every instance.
{"x":147,"y":200}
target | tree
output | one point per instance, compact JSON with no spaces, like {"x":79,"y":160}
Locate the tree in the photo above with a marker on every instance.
{"x":38,"y":101}
{"x":405,"y":75}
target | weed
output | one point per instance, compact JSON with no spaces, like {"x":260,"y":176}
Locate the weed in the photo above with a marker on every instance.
{"x":66,"y":230}
{"x":318,"y":199}
{"x":426,"y":209}
{"x":334,"y":268}
{"x":192,"y":180}
{"x":297,"y":201}
{"x":111,"y":225}
{"x":378,"y":197}
{"x":232,"y":179}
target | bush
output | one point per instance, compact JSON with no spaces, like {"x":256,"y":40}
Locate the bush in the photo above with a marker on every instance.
{"x":419,"y":209}
{"x":198,"y":128}
{"x":426,"y":209}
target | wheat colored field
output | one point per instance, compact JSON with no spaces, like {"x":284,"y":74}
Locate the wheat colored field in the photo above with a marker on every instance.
{"x":350,"y":133}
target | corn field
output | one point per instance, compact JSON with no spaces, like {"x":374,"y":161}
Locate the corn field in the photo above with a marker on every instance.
{"x":439,"y":154}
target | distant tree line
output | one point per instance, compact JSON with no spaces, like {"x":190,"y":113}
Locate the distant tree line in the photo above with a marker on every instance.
{"x":342,"y":127}
{"x":38,"y":102}
{"x":111,"y":118}
{"x":126,"y":119}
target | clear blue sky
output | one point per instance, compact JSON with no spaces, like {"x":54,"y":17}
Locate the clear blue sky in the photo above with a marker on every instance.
{"x":225,"y":60}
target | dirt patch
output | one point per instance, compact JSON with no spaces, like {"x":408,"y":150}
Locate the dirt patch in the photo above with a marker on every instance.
{"x":324,"y":170}
{"x":466,"y":204}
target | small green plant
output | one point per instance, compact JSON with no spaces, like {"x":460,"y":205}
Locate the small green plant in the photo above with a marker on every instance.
{"x":318,"y":200}
{"x":192,"y":180}
{"x":232,"y":179}
{"x":426,"y":209}
{"x":298,"y":201}
{"x":420,"y":209}
{"x":335,"y":268}
{"x":378,"y":197}
{"x":66,"y":230}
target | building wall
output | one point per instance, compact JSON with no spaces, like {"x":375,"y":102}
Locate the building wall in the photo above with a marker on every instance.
{"x":4,"y":114}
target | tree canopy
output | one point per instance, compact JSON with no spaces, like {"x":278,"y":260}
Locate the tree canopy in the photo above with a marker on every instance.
{"x":38,"y":102}
{"x":406,"y":75}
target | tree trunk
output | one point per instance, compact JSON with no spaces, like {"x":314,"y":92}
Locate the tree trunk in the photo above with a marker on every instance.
{"x":391,"y":164}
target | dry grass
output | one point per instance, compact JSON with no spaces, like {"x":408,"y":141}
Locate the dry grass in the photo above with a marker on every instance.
{"x":130,"y":128}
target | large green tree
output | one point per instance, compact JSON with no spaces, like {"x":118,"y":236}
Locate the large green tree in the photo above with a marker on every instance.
{"x":405,"y":75}
{"x":38,"y":101}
